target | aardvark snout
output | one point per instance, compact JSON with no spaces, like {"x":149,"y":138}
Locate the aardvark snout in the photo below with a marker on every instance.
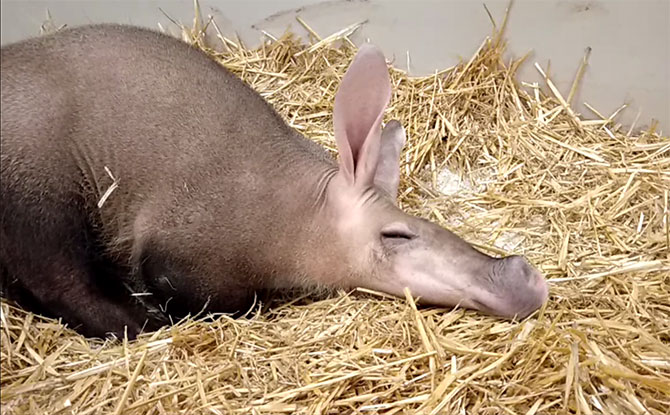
{"x":518,"y":288}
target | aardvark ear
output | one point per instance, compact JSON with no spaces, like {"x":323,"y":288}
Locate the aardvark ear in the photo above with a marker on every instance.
{"x":359,"y":108}
{"x":388,"y":166}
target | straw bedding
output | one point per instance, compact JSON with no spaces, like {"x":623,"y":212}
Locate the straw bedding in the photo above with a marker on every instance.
{"x":507,"y":165}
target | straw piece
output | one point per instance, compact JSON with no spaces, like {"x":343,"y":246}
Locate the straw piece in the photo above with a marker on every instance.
{"x":579,"y":75}
{"x":131,"y":383}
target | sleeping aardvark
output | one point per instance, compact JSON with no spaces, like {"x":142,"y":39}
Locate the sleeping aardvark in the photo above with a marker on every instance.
{"x":217,"y":196}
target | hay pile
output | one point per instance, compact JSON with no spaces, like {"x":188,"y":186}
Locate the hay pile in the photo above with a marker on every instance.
{"x":585,"y":200}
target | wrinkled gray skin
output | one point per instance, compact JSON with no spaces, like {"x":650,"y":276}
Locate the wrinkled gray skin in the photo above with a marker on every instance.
{"x":217,"y":197}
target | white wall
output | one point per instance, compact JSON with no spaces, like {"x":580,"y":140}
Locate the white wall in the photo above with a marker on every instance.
{"x":630,"y":40}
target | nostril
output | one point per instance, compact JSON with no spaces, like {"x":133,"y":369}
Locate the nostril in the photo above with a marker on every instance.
{"x":514,"y":288}
{"x":516,"y":264}
{"x":525,"y":288}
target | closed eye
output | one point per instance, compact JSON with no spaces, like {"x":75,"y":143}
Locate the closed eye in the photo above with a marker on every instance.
{"x":397,"y":234}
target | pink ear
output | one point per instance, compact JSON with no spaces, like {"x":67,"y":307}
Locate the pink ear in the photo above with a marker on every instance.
{"x":387,"y":176}
{"x":359,"y":108}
